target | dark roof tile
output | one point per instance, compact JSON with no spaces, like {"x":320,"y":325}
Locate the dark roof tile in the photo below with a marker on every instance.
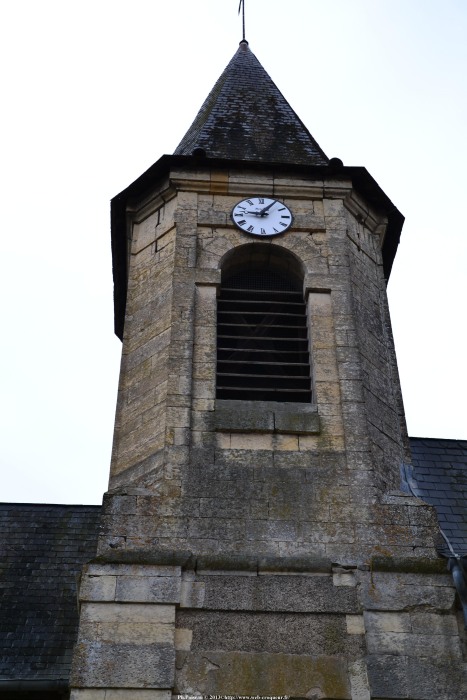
{"x":44,"y":548}
{"x":440,"y":476}
{"x":246,"y":117}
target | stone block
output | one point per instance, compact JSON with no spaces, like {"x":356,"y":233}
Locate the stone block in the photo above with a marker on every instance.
{"x":399,"y":592}
{"x":382,"y":622}
{"x":271,"y":530}
{"x":245,"y":441}
{"x":237,"y":418}
{"x":148,"y":589}
{"x":126,"y":613}
{"x":223,"y":441}
{"x":433,"y":679}
{"x":424,"y":622}
{"x":99,"y":588}
{"x":344,"y":578}
{"x":388,"y":676}
{"x":227,"y":673}
{"x":101,"y":665}
{"x":308,"y":443}
{"x":297,"y":422}
{"x":217,"y":528}
{"x":183,"y":639}
{"x":355,"y":624}
{"x":119,"y":505}
{"x":285,"y":443}
{"x":134,"y":633}
{"x":242,"y":458}
{"x":359,"y":685}
{"x":409,"y":644}
{"x":275,"y":633}
{"x":192,"y":593}
{"x":279,"y":594}
{"x":222,"y":508}
{"x":328,"y":532}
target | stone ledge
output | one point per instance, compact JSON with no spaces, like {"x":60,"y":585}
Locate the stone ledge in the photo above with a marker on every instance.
{"x":266,"y":416}
{"x":313,"y":563}
{"x":422,"y":565}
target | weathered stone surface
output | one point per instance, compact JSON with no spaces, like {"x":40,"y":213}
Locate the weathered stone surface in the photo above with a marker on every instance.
{"x":387,"y":591}
{"x":151,"y":589}
{"x":124,"y":613}
{"x":312,"y":634}
{"x":388,"y":676}
{"x":278,"y":593}
{"x":355,"y":624}
{"x":183,"y":639}
{"x":433,"y":679}
{"x":414,"y":645}
{"x":295,"y":422}
{"x":359,"y":680}
{"x":243,"y":418}
{"x":263,"y":674}
{"x":98,"y":588}
{"x":192,"y":594}
{"x":101,"y":665}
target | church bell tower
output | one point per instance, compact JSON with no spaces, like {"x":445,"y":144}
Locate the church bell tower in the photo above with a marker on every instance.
{"x":254,"y":538}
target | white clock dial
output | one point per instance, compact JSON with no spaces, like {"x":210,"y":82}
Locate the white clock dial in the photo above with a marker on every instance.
{"x":262,"y":216}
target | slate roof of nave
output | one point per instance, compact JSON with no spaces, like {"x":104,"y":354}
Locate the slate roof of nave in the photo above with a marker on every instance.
{"x":43,"y":548}
{"x":42,"y":551}
{"x":245,"y":116}
{"x":439,"y":472}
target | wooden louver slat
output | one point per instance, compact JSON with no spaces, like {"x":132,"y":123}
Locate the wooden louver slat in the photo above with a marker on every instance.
{"x":262,"y":341}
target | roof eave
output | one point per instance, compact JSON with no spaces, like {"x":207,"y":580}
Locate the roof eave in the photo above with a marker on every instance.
{"x":361,"y":179}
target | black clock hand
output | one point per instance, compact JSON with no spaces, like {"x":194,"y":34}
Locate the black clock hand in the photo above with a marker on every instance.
{"x":263,"y":211}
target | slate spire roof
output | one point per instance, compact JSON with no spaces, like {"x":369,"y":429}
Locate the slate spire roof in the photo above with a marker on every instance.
{"x":246,"y":117}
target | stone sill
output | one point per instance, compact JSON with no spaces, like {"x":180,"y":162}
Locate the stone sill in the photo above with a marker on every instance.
{"x":266,"y":417}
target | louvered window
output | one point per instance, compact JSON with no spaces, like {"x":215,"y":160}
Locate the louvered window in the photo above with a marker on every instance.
{"x":262,"y":337}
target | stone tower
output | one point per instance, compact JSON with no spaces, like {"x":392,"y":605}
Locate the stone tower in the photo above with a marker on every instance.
{"x":255,"y":539}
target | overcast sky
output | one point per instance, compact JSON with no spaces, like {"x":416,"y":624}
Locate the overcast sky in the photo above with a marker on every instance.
{"x":94,"y":92}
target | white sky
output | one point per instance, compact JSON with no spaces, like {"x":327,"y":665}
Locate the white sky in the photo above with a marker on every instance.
{"x":94,"y":92}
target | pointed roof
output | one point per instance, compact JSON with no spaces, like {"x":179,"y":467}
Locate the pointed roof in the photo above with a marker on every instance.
{"x":246,"y":117}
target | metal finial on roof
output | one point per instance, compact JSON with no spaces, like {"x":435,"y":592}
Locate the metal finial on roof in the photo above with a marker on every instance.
{"x":241,"y":7}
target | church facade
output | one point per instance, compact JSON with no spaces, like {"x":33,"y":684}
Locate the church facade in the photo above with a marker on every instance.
{"x":255,"y":538}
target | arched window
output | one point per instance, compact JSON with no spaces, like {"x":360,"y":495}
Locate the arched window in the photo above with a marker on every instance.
{"x":262,"y":335}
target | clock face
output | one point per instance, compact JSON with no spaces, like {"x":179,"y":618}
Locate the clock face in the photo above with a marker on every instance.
{"x":262,"y":216}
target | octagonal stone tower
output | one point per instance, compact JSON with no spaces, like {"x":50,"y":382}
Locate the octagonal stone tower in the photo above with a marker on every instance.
{"x":254,"y":538}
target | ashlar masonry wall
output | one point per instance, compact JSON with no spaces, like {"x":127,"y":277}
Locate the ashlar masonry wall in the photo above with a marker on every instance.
{"x":258,"y":478}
